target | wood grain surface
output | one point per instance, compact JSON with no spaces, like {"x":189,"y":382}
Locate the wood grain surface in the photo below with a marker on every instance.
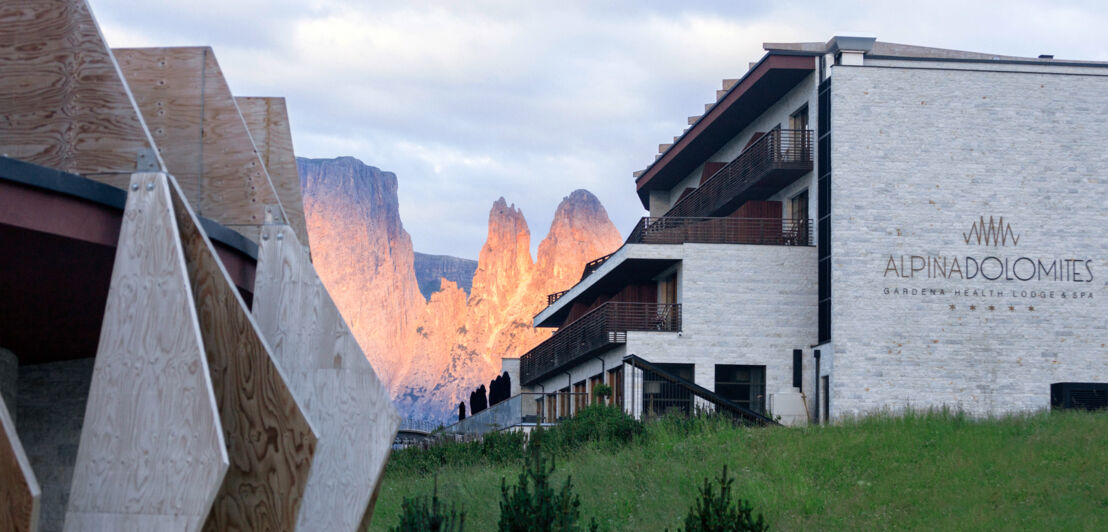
{"x":19,"y":490}
{"x":151,"y":447}
{"x":346,"y":401}
{"x":269,"y":440}
{"x":63,"y":102}
{"x":201,"y":134}
{"x":268,"y":121}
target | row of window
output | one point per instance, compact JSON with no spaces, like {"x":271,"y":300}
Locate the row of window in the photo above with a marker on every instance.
{"x":741,"y":384}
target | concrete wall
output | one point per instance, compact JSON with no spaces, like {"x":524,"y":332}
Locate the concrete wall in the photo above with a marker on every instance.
{"x":919,"y":156}
{"x":51,"y":410}
{"x":748,"y":305}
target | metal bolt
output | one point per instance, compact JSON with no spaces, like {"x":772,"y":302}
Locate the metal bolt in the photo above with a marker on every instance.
{"x":280,"y":236}
{"x":134,"y":186}
{"x":150,"y":186}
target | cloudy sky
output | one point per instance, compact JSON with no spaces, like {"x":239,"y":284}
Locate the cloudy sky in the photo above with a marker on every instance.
{"x":470,"y":101}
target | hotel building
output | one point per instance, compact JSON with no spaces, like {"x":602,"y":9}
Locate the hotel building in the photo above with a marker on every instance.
{"x":856,"y":226}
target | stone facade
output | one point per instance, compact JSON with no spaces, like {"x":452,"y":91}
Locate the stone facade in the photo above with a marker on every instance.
{"x":920,"y":155}
{"x":741,"y":304}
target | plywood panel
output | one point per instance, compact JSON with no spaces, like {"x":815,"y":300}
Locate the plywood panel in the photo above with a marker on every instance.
{"x":268,"y":121}
{"x":201,"y":133}
{"x":343,"y":396}
{"x":64,"y":103}
{"x":269,"y":440}
{"x":19,"y":490}
{"x":151,"y":448}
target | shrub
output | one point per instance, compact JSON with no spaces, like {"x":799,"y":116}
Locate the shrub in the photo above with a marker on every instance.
{"x":595,"y":423}
{"x":532,"y":504}
{"x":714,"y":512}
{"x":416,"y":515}
{"x":602,"y":391}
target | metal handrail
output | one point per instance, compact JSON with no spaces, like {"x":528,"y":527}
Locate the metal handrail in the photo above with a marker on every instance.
{"x":592,"y":265}
{"x":722,"y":404}
{"x":605,"y":325}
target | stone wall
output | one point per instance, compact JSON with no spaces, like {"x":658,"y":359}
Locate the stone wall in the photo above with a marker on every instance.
{"x":741,"y":304}
{"x":51,"y":410}
{"x":920,"y":155}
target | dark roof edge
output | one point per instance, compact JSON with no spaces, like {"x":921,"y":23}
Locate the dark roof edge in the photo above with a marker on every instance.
{"x":80,"y":187}
{"x":736,"y":86}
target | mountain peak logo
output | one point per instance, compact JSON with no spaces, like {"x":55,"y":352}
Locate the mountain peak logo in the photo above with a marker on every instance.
{"x":993,"y":233}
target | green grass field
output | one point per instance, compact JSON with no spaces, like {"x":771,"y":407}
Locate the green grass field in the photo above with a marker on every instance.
{"x":923,"y":471}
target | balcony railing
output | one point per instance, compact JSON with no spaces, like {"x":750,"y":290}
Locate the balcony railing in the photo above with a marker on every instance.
{"x":603,"y":326}
{"x":768,"y":231}
{"x":778,"y":155}
{"x":551,"y":298}
{"x":592,"y":265}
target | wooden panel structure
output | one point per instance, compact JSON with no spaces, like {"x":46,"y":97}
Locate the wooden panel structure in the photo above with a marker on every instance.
{"x":201,"y":134}
{"x":329,"y":372}
{"x":268,"y":121}
{"x":19,"y":490}
{"x":64,"y":103}
{"x":152,"y":454}
{"x":269,"y":440}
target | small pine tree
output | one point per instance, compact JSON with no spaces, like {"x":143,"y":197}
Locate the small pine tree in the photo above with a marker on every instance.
{"x":417,"y":516}
{"x":533,"y":505}
{"x":718,"y":513}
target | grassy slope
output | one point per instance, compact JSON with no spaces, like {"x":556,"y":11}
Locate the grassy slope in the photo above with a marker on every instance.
{"x":933,"y":471}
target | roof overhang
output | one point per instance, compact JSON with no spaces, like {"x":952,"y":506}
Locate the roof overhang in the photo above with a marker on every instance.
{"x":631,"y":263}
{"x":58,"y":236}
{"x":761,"y":87}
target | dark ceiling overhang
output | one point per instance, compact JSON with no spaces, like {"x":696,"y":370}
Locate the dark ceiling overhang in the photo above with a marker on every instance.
{"x":760,"y":88}
{"x":58,"y":236}
{"x":629,"y":271}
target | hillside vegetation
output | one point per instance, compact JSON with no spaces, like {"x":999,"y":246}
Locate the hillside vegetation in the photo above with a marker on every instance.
{"x":934,"y":470}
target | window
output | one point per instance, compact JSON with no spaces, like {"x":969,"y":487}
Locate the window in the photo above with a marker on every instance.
{"x":563,"y":403}
{"x":551,"y":402}
{"x":595,"y":381}
{"x":615,"y":380}
{"x":742,"y":385}
{"x":580,"y":397}
{"x":667,"y":289}
{"x":661,"y":396}
{"x":799,"y":119}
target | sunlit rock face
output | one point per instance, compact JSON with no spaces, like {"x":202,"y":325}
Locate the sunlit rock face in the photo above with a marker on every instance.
{"x":433,"y":352}
{"x":364,"y":257}
{"x":431,"y":269}
{"x":508,"y":290}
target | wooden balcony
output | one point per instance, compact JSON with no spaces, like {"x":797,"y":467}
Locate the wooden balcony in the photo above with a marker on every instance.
{"x":602,"y":327}
{"x":764,"y":231}
{"x":767,"y":165}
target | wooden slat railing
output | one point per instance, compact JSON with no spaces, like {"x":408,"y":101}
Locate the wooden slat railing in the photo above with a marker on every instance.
{"x":780,"y":149}
{"x":767,"y":231}
{"x":605,"y":325}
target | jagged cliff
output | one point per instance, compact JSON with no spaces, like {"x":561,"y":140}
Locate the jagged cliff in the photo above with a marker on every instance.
{"x":433,"y":352}
{"x":508,"y":290}
{"x":364,"y":257}
{"x":431,"y":269}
